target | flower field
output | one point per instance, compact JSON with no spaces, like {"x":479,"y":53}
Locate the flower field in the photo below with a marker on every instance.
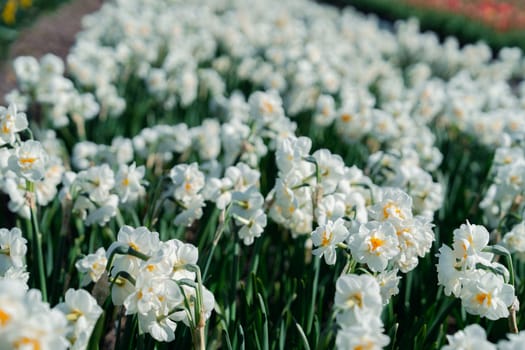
{"x":262,"y":175}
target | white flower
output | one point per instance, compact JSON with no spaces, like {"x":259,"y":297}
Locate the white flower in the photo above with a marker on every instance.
{"x":27,"y":70}
{"x":394,"y":205}
{"x":365,"y":335}
{"x":140,"y":240}
{"x":290,"y":153}
{"x":515,"y":342}
{"x":128,"y":182}
{"x":388,"y":284}
{"x":29,"y":160}
{"x":326,"y":237}
{"x":486,"y":294}
{"x":19,"y":274}
{"x":357,"y":296}
{"x":177,"y":254}
{"x":93,"y":266}
{"x":515,"y":240}
{"x":331,"y":207}
{"x":331,"y":169}
{"x":374,"y":244}
{"x":415,"y":238}
{"x":26,"y":322}
{"x":13,"y":248}
{"x":472,"y":337}
{"x":325,"y":110}
{"x":11,"y":122}
{"x":469,"y":240}
{"x":246,"y":202}
{"x":206,"y":138}
{"x":449,"y":275}
{"x":252,"y":226}
{"x":188,"y":181}
{"x":192,"y":211}
{"x":82,"y":312}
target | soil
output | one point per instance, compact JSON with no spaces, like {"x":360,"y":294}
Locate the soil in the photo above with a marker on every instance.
{"x":51,"y":33}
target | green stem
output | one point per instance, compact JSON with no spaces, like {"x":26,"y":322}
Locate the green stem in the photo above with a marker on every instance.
{"x":38,"y":236}
{"x":317,"y":265}
{"x":223,"y":221}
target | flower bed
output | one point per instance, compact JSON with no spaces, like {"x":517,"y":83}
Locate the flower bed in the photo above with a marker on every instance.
{"x":239,"y":175}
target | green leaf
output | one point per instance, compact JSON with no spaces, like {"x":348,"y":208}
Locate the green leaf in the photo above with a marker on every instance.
{"x":303,"y":336}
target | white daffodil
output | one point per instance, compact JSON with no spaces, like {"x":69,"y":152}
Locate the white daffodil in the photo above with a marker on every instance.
{"x":486,"y":294}
{"x":29,"y":160}
{"x":449,"y":271}
{"x":472,"y":337}
{"x":92,"y":266}
{"x":394,"y":205}
{"x":82,"y":312}
{"x":515,"y":342}
{"x":177,"y":255}
{"x":375,"y":244}
{"x":26,"y":322}
{"x":514,"y":240}
{"x":252,"y":227}
{"x":357,"y":296}
{"x":469,"y":241}
{"x":326,"y":237}
{"x":128,"y":182}
{"x":11,"y":122}
{"x":13,"y":248}
{"x":388,"y":284}
{"x":364,"y":335}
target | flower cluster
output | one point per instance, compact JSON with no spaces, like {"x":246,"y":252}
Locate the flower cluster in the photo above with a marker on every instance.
{"x":27,"y":322}
{"x":13,"y":248}
{"x":158,"y":281}
{"x":468,"y":272}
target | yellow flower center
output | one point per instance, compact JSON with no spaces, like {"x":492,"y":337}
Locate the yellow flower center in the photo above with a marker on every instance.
{"x":4,"y":318}
{"x":375,"y":243}
{"x":346,"y":117}
{"x":134,"y":246}
{"x":368,"y":346}
{"x":27,"y":162}
{"x":482,"y":297}
{"x":391,"y":209}
{"x":6,"y":129}
{"x":326,"y":239}
{"x":74,"y":315}
{"x":125,"y":182}
{"x":267,"y":107}
{"x":355,"y":299}
{"x":26,"y":342}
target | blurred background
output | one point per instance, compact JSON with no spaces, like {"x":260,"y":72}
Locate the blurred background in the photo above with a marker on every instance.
{"x":500,"y":23}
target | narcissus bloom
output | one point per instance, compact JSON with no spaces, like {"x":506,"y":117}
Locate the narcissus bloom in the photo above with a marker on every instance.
{"x":82,"y":312}
{"x":13,"y":248}
{"x":29,"y":160}
{"x":92,"y":266}
{"x":356,"y":296}
{"x":472,"y":337}
{"x":374,"y":244}
{"x":11,"y":122}
{"x":326,"y":237}
{"x":486,"y":294}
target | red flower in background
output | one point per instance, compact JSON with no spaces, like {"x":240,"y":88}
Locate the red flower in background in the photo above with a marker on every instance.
{"x":503,"y":15}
